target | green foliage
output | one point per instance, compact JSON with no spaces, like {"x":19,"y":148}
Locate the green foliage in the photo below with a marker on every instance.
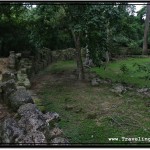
{"x":121,"y":40}
{"x":144,"y":68}
{"x":134,"y":48}
{"x":132,"y":77}
{"x":13,"y":34}
{"x":133,"y":45}
{"x":124,"y":68}
{"x":107,"y":27}
{"x":48,"y":32}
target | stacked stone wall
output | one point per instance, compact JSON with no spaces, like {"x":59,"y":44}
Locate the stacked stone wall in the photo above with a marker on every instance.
{"x":66,"y":54}
{"x":29,"y":126}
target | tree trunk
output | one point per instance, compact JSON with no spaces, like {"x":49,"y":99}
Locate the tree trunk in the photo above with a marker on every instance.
{"x":145,"y":40}
{"x":107,"y":57}
{"x":87,"y":58}
{"x":78,"y":56}
{"x":108,"y":41}
{"x":79,"y":60}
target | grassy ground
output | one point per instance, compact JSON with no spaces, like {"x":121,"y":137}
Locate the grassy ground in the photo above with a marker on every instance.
{"x":131,"y":76}
{"x":91,"y":114}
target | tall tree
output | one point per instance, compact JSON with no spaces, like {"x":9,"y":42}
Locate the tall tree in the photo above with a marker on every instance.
{"x":76,"y":23}
{"x":145,"y":40}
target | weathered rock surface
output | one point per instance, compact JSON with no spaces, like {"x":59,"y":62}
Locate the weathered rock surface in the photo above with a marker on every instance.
{"x":94,"y":82}
{"x":7,"y":76}
{"x":11,"y":132}
{"x":51,"y":117}
{"x":7,"y":88}
{"x":144,"y":91}
{"x":1,"y":99}
{"x":55,"y":132}
{"x":31,"y":118}
{"x":32,"y":127}
{"x":23,"y":79}
{"x":29,"y":125}
{"x":12,"y":60}
{"x":34,"y":137}
{"x":66,"y":54}
{"x":119,"y":89}
{"x":19,"y":97}
{"x":59,"y":141}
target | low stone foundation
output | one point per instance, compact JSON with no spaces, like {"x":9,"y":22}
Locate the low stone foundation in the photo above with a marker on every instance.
{"x":66,"y":54}
{"x":28,"y":125}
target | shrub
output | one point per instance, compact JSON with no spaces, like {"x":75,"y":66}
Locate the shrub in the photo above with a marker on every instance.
{"x":124,"y":68}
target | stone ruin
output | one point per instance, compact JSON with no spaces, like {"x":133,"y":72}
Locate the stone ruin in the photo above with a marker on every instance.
{"x":66,"y":54}
{"x":28,"y":125}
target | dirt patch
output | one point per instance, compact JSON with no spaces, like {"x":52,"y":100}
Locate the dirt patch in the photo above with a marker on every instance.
{"x":40,"y":81}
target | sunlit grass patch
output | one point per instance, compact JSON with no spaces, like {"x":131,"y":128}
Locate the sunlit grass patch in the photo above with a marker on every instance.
{"x":131,"y":75}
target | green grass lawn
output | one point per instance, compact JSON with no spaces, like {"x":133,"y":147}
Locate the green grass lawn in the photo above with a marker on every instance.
{"x":113,"y":72}
{"x":113,"y":116}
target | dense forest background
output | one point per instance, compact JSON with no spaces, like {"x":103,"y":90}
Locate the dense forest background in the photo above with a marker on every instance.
{"x":102,"y":27}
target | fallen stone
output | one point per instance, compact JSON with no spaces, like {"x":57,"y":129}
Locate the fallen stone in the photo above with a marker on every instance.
{"x":119,"y":89}
{"x":94,"y":82}
{"x":27,"y":109}
{"x":18,"y":55}
{"x":7,"y":88}
{"x":18,"y":98}
{"x":32,"y":128}
{"x":27,"y":83}
{"x":34,"y":137}
{"x":11,"y":132}
{"x":55,"y":132}
{"x":32,"y":118}
{"x":33,"y":123}
{"x":59,"y":141}
{"x":142,"y":90}
{"x":51,"y":117}
{"x":21,"y":87}
{"x":12,"y":60}
{"x":23,"y":80}
{"x":1,"y":93}
{"x":23,"y":71}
